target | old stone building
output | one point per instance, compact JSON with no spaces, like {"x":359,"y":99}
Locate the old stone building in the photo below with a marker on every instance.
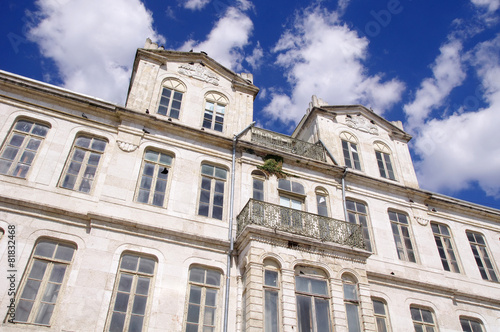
{"x":176,"y":213}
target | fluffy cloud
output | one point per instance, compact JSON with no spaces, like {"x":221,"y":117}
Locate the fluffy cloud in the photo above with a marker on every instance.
{"x":322,"y":56}
{"x":93,"y":42}
{"x":195,"y":4}
{"x":448,"y":73}
{"x":463,"y":149}
{"x":227,"y":39}
{"x":490,"y":5}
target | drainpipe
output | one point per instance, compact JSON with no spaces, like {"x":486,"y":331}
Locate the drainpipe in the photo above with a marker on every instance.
{"x":230,"y":233}
{"x":329,"y":153}
{"x":343,"y":193}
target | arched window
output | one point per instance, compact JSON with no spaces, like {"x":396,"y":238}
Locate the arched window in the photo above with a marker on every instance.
{"x":471,"y":324}
{"x":423,"y":318}
{"x":357,"y":213}
{"x":258,"y":179}
{"x":383,"y":154}
{"x":213,"y":183}
{"x":271,"y":296}
{"x":292,"y":196}
{"x":83,"y":162}
{"x":444,"y":243}
{"x":402,"y":237}
{"x":171,"y":98}
{"x":313,"y":300}
{"x":481,"y":255}
{"x":322,"y":201}
{"x":21,"y":146}
{"x":351,"y":302}
{"x":215,"y":108}
{"x":131,"y":295}
{"x":381,"y":315}
{"x":350,"y":150}
{"x":152,"y":184}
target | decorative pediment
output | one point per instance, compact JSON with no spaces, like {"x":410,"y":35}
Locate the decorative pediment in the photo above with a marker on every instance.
{"x":199,"y":72}
{"x":361,"y":123}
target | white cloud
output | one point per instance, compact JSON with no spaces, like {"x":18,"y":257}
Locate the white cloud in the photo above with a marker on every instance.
{"x":324,"y":57}
{"x":490,"y":5}
{"x":448,"y":73}
{"x":255,"y":59}
{"x":195,"y":4}
{"x":227,"y":39}
{"x":463,"y":149}
{"x":93,"y":42}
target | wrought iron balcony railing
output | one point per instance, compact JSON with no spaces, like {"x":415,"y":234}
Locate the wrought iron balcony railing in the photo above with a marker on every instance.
{"x":299,"y":222}
{"x":288,"y":144}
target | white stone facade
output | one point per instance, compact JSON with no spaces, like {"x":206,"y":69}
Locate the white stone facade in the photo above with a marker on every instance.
{"x":62,"y":193}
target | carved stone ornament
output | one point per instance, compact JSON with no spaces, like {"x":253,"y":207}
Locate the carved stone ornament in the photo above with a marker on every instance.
{"x":199,"y":72}
{"x":127,"y":147}
{"x":422,"y":221}
{"x":362,"y":124}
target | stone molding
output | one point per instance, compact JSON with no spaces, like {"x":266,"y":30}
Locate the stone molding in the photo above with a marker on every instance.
{"x":199,"y":72}
{"x":361,"y":123}
{"x":127,"y":147}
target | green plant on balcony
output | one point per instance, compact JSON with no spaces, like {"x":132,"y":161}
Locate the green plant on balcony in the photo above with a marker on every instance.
{"x":273,"y":166}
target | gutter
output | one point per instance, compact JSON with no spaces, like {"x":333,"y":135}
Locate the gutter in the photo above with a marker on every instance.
{"x":230,"y":232}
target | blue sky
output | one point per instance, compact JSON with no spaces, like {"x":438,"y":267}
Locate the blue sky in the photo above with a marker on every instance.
{"x":434,"y":65}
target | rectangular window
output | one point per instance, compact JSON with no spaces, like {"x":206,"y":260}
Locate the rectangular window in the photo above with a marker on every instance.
{"x":444,"y":244}
{"x":322,"y":204}
{"x":351,"y":155}
{"x":381,"y":315}
{"x":214,"y":116}
{"x":385,"y":165}
{"x":258,"y":189}
{"x":423,"y":320}
{"x":82,"y":164}
{"x":43,"y":282}
{"x":471,"y":325}
{"x":402,"y":237}
{"x":204,"y":286}
{"x":21,"y":147}
{"x":351,"y":302}
{"x":357,"y":214}
{"x":131,"y":293}
{"x":152,"y":184}
{"x":271,"y":301}
{"x":313,"y":304}
{"x":170,"y":103}
{"x":483,"y":261}
{"x":213,"y":181}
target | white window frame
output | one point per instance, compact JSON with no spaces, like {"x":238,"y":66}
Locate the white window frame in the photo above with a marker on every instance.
{"x":175,"y":87}
{"x":160,"y":174}
{"x":473,"y":324}
{"x":26,"y":151}
{"x":355,"y":217}
{"x":258,"y":176}
{"x":385,"y":161}
{"x":445,"y":246}
{"x":46,"y":284}
{"x":205,"y":287}
{"x":212,"y":193}
{"x":322,"y":205}
{"x":84,"y":164}
{"x":350,"y":151}
{"x":481,"y":253}
{"x":404,"y":252}
{"x":351,"y":300}
{"x":136,"y":275}
{"x":218,"y":112}
{"x":274,"y":288}
{"x":419,"y":320}
{"x":382,"y":320}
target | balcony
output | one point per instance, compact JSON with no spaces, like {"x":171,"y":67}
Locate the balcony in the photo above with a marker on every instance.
{"x":298,"y":222}
{"x":287,"y":144}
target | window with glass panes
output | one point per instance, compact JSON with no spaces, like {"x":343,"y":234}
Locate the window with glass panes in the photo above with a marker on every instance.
{"x":271,"y":300}
{"x":171,"y":98}
{"x":258,"y":186}
{"x":350,"y":151}
{"x":204,"y":287}
{"x":292,"y":196}
{"x":402,"y":237}
{"x":358,"y":214}
{"x":423,"y":319}
{"x":444,"y":245}
{"x":152,"y":184}
{"x":43,"y":282}
{"x":21,"y":147}
{"x":381,"y":315}
{"x":313,"y":300}
{"x":482,"y":257}
{"x":384,"y":162}
{"x":215,"y":107}
{"x":351,"y":302}
{"x":213,"y":181}
{"x":82,"y":164}
{"x":131,"y":294}
{"x":471,"y":325}
{"x":322,"y":202}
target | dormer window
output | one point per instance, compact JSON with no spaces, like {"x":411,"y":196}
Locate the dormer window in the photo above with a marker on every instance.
{"x":215,"y":108}
{"x":171,"y":98}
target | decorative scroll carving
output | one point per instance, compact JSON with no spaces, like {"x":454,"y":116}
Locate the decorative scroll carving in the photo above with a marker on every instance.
{"x":288,"y":144}
{"x":361,"y":123}
{"x":299,"y":222}
{"x":127,"y":147}
{"x":199,"y":72}
{"x":422,"y":221}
